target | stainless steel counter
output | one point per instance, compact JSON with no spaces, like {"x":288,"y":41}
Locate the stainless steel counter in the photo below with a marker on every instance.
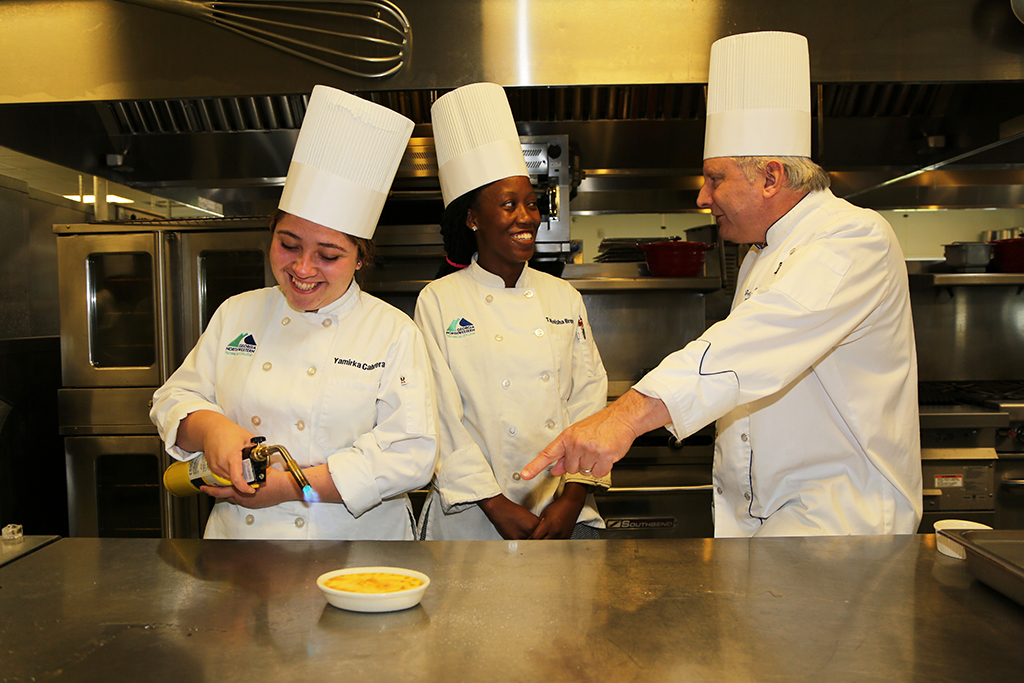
{"x":12,"y":550}
{"x":821,"y":609}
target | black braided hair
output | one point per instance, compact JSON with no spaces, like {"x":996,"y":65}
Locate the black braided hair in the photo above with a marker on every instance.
{"x":459,"y":240}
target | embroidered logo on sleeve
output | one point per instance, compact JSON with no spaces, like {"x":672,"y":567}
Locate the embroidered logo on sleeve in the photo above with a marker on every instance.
{"x":460,"y":327}
{"x":580,"y":327}
{"x":242,"y":345}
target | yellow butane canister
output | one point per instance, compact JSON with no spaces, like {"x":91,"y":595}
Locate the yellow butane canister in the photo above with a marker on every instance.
{"x":185,"y":478}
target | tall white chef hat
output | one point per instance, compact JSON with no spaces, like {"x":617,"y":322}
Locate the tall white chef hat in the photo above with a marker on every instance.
{"x":345,"y":158}
{"x":475,"y":139}
{"x":759,"y":96}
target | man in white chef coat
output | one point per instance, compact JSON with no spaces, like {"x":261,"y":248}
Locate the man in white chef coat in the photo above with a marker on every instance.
{"x":813,"y":375}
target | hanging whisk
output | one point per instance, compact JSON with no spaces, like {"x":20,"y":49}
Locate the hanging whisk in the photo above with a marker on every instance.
{"x":368,"y":38}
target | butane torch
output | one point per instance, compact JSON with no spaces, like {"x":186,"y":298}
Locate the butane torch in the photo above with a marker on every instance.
{"x":185,"y":478}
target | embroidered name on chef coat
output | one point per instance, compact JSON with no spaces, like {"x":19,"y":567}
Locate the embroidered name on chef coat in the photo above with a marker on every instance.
{"x":357,"y":364}
{"x":460,"y":327}
{"x":242,"y":345}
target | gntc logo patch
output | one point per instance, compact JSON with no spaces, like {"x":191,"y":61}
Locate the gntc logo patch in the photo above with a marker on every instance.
{"x":242,"y":345}
{"x":460,"y":327}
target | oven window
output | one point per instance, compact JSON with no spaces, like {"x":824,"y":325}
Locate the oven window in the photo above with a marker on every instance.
{"x":222,"y":274}
{"x":121,"y":321}
{"x":128,"y":495}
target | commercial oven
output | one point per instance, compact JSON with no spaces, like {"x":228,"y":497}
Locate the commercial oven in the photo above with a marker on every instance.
{"x":661,"y":488}
{"x":134,"y":298}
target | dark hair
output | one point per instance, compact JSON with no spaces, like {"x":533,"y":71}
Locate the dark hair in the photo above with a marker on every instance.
{"x":459,"y":240}
{"x":366,"y":251}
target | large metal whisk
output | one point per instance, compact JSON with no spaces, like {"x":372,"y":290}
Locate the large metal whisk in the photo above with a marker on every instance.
{"x":367,"y":38}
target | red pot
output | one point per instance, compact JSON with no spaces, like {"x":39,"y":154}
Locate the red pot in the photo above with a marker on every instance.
{"x":676,"y":259}
{"x":1008,"y":255}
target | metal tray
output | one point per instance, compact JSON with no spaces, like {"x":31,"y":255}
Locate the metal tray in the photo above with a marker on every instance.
{"x":995,"y":558}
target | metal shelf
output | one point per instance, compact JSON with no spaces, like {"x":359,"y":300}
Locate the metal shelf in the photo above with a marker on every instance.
{"x":965,"y":279}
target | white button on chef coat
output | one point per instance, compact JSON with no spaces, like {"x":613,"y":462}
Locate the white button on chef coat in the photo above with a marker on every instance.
{"x":327,"y":322}
{"x":505,"y":383}
{"x":489,"y":298}
{"x":743,"y":438}
{"x":299,"y":522}
{"x":300,"y":425}
{"x":250,"y":520}
{"x":529,"y":294}
{"x":512,"y":431}
{"x":545,"y":377}
{"x":311,"y":371}
{"x":267,"y":365}
{"x":256,"y":420}
{"x":498,"y":337}
{"x":285,"y":321}
{"x":539,"y":332}
{"x":550,"y":424}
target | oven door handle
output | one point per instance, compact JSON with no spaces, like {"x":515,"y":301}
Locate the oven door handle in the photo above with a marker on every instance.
{"x":656,"y":489}
{"x":1012,"y":483}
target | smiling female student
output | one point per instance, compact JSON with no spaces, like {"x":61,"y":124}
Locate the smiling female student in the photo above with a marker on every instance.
{"x":336,"y":376}
{"x":513,"y":357}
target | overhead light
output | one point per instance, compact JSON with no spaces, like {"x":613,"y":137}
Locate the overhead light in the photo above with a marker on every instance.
{"x":91,"y":199}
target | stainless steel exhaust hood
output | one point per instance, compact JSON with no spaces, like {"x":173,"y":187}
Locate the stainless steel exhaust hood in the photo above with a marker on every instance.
{"x":173,"y":105}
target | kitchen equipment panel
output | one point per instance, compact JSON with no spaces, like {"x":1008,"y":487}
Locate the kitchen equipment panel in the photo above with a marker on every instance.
{"x":136,"y":295}
{"x":108,"y":296}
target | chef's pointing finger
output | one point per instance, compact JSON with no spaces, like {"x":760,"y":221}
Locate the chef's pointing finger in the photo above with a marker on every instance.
{"x":553,"y":453}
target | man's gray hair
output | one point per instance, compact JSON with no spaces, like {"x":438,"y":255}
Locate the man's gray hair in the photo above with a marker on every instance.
{"x":802,"y":174}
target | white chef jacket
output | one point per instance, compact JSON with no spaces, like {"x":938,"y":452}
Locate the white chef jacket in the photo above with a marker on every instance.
{"x":348,"y":385}
{"x":513,"y":367}
{"x":813,"y":376}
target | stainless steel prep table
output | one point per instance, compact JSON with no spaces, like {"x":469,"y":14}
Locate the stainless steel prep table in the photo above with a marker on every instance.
{"x":12,"y":550}
{"x":817,"y":609}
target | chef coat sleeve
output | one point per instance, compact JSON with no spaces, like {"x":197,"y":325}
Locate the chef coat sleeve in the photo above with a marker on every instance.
{"x":400,"y":452}
{"x":589,"y":392}
{"x":819,"y":297}
{"x":191,"y":388}
{"x":463,"y":475}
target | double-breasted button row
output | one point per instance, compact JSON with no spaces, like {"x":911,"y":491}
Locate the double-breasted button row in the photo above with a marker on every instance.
{"x":299,"y":521}
{"x":746,"y":494}
{"x":529,"y":294}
